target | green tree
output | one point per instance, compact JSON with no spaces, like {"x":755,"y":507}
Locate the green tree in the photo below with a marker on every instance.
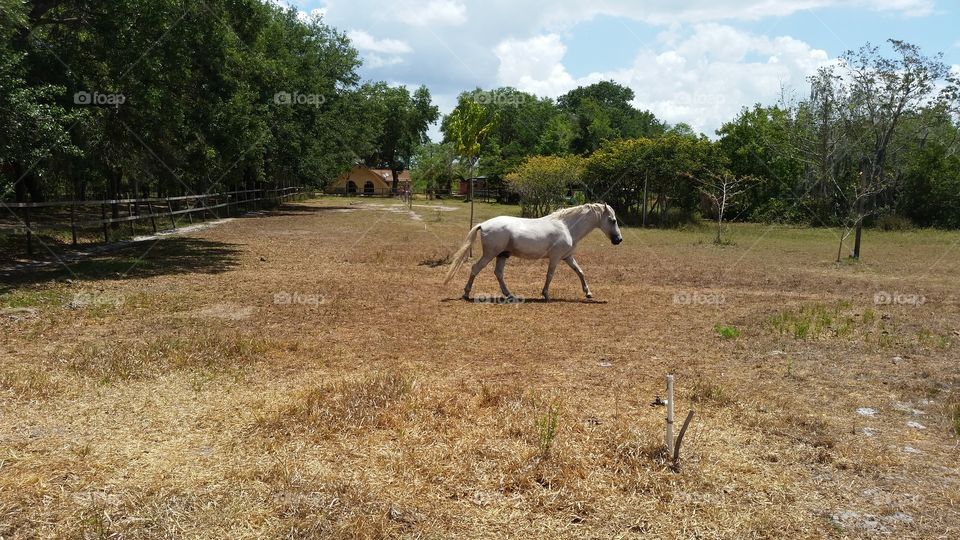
{"x":602,"y":112}
{"x":764,"y":143}
{"x":667,"y":168}
{"x":542,"y":182}
{"x":404,"y":119}
{"x":435,"y":167}
{"x":468,"y":126}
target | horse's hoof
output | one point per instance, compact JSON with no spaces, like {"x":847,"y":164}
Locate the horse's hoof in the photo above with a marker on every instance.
{"x":466,"y":297}
{"x":589,"y":295}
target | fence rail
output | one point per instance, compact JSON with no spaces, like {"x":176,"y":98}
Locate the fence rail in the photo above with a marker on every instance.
{"x":486,"y":195}
{"x":83,"y":214}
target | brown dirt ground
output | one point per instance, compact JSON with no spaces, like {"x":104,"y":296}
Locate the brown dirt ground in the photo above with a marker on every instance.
{"x":177,"y":393}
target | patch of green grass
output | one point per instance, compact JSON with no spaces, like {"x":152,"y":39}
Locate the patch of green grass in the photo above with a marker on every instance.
{"x":869,"y":315}
{"x":814,"y":320}
{"x":547,"y":430}
{"x":726,"y":331}
{"x":26,"y":298}
{"x":706,"y":390}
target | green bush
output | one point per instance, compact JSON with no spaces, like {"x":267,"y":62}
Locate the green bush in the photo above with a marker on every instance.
{"x":676,"y":217}
{"x":893,"y":222}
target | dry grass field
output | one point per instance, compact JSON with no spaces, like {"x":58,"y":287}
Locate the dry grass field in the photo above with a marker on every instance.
{"x":303,"y":373}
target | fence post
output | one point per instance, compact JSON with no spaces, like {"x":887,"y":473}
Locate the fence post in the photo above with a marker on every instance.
{"x":668,"y":439}
{"x":26,"y":220}
{"x":73,"y":222}
{"x":153,"y":218}
{"x":173,"y":220}
{"x":130,"y":215}
{"x":103,"y":221}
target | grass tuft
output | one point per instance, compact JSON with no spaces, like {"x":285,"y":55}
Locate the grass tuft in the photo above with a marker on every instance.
{"x":726,"y":331}
{"x":195,"y":349}
{"x":344,"y":405}
{"x":547,"y":430}
{"x":706,"y":390}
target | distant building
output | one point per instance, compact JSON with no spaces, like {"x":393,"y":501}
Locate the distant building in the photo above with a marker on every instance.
{"x":479,"y":185}
{"x":363,"y":180}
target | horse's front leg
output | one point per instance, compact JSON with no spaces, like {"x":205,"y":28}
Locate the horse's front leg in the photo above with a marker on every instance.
{"x":550,"y":270}
{"x":583,"y":280}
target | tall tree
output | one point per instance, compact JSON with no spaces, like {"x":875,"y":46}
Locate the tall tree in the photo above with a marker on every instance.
{"x":403,"y":120}
{"x":882,"y":91}
{"x":603,"y":111}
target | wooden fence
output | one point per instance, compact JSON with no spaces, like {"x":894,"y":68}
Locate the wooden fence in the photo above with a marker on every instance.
{"x":485,"y":195}
{"x":82,"y":215}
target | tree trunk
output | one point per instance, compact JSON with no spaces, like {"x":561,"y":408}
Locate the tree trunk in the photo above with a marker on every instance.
{"x":645,"y":200}
{"x":396,"y":180}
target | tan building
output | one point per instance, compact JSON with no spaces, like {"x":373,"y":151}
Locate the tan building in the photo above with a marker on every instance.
{"x":362,"y":180}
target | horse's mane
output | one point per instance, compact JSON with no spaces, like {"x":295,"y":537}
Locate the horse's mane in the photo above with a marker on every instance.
{"x":563,"y":212}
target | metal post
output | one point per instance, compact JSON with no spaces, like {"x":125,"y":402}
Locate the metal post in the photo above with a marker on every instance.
{"x":669,"y":434}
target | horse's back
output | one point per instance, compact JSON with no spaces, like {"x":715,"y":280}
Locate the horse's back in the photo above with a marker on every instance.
{"x":523,"y":237}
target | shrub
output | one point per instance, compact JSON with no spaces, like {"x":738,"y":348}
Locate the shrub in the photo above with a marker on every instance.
{"x":542,"y":182}
{"x":893,"y":222}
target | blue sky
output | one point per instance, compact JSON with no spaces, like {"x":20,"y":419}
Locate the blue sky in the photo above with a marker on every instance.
{"x":697,"y":61}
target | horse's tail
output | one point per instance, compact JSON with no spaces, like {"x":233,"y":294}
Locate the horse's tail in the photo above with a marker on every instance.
{"x":461,"y":254}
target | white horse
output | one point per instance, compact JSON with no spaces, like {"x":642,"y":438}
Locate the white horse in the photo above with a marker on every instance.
{"x":551,"y":237}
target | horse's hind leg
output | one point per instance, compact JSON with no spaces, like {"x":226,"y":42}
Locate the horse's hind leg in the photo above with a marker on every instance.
{"x":550,"y":270}
{"x":583,"y":280}
{"x":501,"y":262}
{"x":477,"y":267}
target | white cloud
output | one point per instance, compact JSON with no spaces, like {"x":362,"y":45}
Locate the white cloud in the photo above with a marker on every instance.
{"x":430,"y":12}
{"x":700,"y":68}
{"x":664,"y":12}
{"x":379,"y":53}
{"x":911,"y":8}
{"x":534,"y":65}
{"x":703,"y":78}
{"x":365,"y":42}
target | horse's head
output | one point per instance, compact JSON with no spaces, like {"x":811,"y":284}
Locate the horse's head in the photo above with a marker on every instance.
{"x":609,"y":226}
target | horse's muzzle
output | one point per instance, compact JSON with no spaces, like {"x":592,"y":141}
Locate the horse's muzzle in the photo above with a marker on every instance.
{"x":616,"y":239}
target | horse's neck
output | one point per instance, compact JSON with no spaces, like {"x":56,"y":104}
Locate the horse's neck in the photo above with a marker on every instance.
{"x":581,"y":224}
